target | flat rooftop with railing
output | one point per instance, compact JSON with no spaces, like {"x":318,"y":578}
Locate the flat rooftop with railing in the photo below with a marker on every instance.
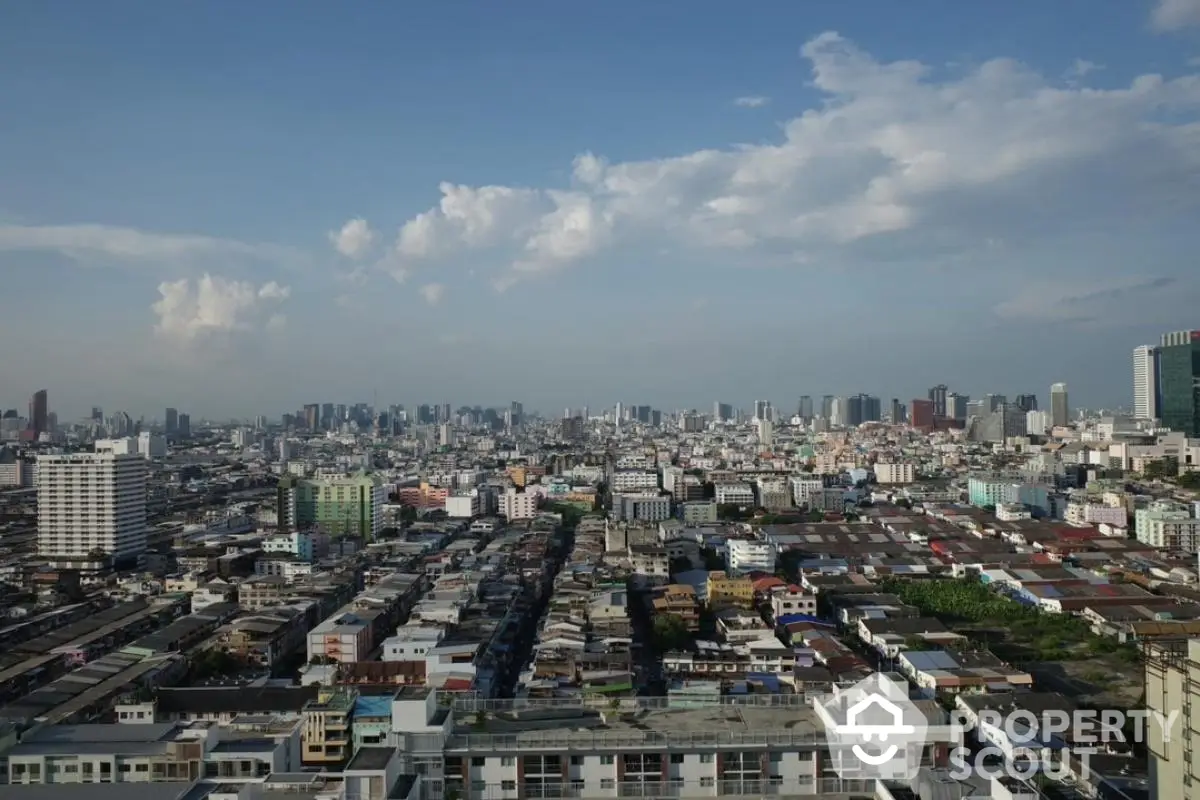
{"x":585,"y":728}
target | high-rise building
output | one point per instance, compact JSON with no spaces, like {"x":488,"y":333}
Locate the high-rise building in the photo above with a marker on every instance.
{"x":185,"y":426}
{"x":937,"y":395}
{"x":97,"y":414}
{"x":312,"y":416}
{"x":765,"y":434}
{"x":956,"y":405}
{"x":1145,"y":382}
{"x":1026,"y":402}
{"x":39,"y":413}
{"x":896,"y":415}
{"x":1179,"y":381}
{"x":993,"y":402}
{"x":760,"y":409}
{"x":171,"y":421}
{"x":722,"y":412}
{"x":350,"y":505}
{"x":827,"y":403}
{"x":1060,"y":411}
{"x":921,"y":413}
{"x":805,"y":407}
{"x":91,"y":508}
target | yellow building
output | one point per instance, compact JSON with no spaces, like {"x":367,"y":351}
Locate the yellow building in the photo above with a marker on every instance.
{"x":328,"y":739}
{"x":725,"y":591}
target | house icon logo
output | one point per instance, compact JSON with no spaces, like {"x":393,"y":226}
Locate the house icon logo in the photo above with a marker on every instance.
{"x":873,"y":730}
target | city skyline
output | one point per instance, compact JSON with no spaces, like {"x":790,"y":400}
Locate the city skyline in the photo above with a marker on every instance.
{"x":349,"y":202}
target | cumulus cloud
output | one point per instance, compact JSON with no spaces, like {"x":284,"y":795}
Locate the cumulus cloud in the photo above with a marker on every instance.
{"x":896,"y":153}
{"x":189,"y":310}
{"x":1174,"y":15}
{"x":354,"y":239}
{"x":751,"y":101}
{"x":432,"y":293}
{"x":129,"y":244}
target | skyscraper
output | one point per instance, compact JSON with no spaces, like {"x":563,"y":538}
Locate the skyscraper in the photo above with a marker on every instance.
{"x":1145,"y":382}
{"x":1060,"y":412}
{"x":1026,"y":402}
{"x":938,"y":396}
{"x":921,"y":413}
{"x":956,"y":405}
{"x":39,"y":413}
{"x":1179,"y":381}
{"x":805,"y":407}
{"x":827,"y":406}
{"x":171,"y":421}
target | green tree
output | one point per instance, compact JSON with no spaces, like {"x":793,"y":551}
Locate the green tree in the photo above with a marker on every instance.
{"x":671,"y":633}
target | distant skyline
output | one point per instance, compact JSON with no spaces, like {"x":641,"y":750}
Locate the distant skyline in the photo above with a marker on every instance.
{"x":787,"y":406}
{"x":565,"y":205}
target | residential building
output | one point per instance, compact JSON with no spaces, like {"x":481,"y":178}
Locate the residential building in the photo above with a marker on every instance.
{"x":803,"y":487}
{"x":1167,"y":527}
{"x":295,"y":543}
{"x":729,"y":590}
{"x":518,"y":505}
{"x":698,"y":512}
{"x":741,"y":494}
{"x":463,"y":506}
{"x":346,"y":638}
{"x":1172,"y":683}
{"x":743,"y":555}
{"x":1145,"y":382}
{"x":895,"y":473}
{"x":17,"y":471}
{"x":1179,"y":381}
{"x":350,"y":505}
{"x":627,"y":507}
{"x":91,"y":509}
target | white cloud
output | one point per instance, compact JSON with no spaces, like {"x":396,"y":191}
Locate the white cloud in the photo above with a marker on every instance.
{"x":189,"y":310}
{"x":432,"y":293}
{"x":893,"y":155}
{"x":1081,"y":68}
{"x":354,"y":239}
{"x":751,"y":101}
{"x":126,"y":244}
{"x":1174,"y":15}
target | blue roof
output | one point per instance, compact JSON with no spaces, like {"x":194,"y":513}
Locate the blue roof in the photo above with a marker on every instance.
{"x":373,"y":706}
{"x":788,"y":619}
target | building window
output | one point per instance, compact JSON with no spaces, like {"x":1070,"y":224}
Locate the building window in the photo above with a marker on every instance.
{"x":508,"y":786}
{"x":608,"y":783}
{"x":706,"y":783}
{"x":607,"y":760}
{"x":706,"y":758}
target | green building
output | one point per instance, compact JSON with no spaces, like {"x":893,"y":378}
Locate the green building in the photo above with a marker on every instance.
{"x":1179,"y":381}
{"x":347,"y":505}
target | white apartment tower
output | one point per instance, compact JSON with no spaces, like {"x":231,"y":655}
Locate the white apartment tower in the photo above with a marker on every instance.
{"x":1145,"y":382}
{"x":90,"y":503}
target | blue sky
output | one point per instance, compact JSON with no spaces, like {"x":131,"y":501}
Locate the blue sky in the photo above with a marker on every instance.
{"x":237,"y":208}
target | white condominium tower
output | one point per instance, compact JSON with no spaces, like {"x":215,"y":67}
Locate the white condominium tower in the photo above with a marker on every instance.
{"x":91,"y":503}
{"x":1145,"y":382}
